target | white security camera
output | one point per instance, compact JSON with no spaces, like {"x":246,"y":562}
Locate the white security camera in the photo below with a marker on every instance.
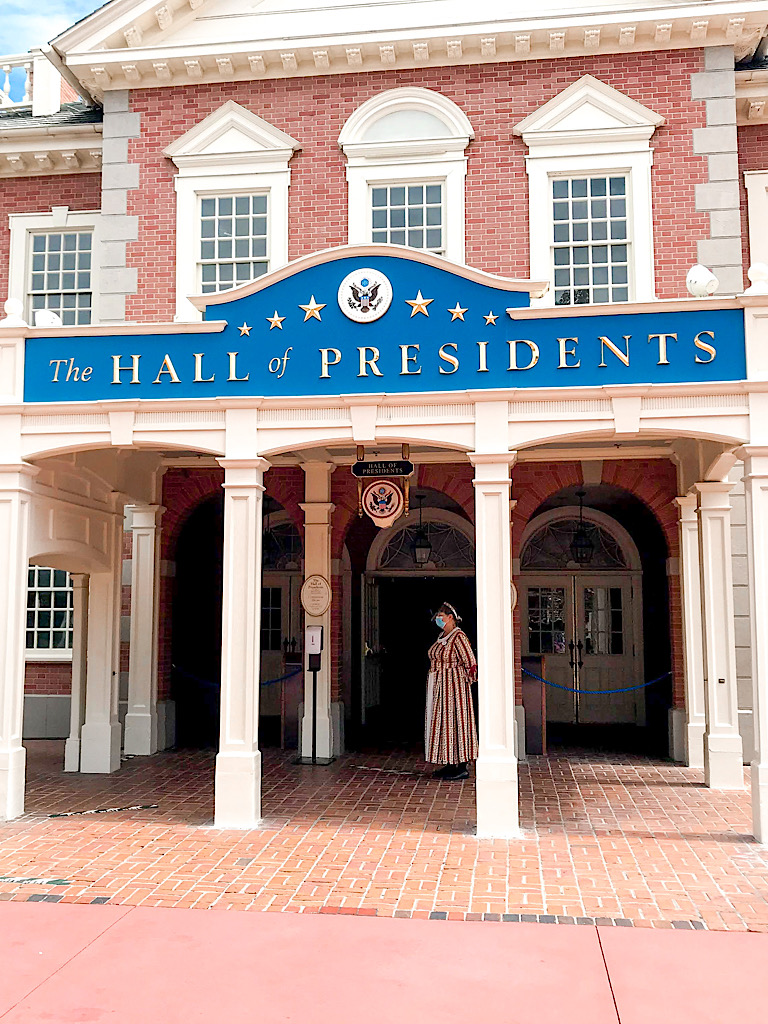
{"x":47,"y":318}
{"x":701,"y":281}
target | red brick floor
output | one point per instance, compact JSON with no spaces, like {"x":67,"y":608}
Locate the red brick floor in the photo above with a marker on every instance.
{"x":606,"y":838}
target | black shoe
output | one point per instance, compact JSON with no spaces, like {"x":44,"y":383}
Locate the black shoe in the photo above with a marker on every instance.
{"x":440,"y":773}
{"x":458,"y":772}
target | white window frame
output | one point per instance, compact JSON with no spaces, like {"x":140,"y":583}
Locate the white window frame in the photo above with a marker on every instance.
{"x":46,"y":654}
{"x":231,"y":151}
{"x":565,"y":139}
{"x":58,"y":218}
{"x":414,"y":161}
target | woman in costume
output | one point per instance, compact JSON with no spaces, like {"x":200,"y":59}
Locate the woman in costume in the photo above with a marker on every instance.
{"x":450,"y":736}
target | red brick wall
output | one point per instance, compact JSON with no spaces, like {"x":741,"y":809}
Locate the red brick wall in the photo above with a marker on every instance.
{"x":753,"y":156}
{"x":494,"y":97}
{"x":38,"y":195}
{"x":48,"y":677}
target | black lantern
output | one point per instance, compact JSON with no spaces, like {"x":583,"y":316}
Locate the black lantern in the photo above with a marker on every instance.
{"x":420,"y":546}
{"x":582,"y":546}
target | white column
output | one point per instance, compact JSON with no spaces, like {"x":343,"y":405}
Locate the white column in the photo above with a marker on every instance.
{"x":317,"y":509}
{"x":238,"y":763}
{"x":141,"y":718}
{"x":14,"y":545}
{"x":80,"y":583}
{"x":100,"y":734}
{"x":756,"y":487}
{"x":691,"y":736}
{"x":723,"y":759}
{"x":497,"y":790}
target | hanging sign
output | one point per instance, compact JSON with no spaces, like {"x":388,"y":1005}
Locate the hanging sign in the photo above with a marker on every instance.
{"x":316,"y":595}
{"x":383,"y":502}
{"x":383,"y":467}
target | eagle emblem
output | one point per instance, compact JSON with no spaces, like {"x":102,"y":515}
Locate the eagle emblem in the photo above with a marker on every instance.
{"x":365,"y":295}
{"x":383,"y":501}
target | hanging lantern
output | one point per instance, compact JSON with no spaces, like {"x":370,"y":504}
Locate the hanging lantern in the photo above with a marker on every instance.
{"x":420,"y":546}
{"x":582,"y":546}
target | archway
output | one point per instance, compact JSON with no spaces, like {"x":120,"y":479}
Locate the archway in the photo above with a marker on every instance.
{"x":398,"y":600}
{"x":196,"y":628}
{"x":599,"y":619}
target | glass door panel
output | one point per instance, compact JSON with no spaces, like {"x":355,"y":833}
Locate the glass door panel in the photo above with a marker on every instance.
{"x":547,"y":631}
{"x":605,"y":648}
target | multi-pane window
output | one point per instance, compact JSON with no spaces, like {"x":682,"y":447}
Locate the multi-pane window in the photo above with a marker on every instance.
{"x":60,"y":274}
{"x":409,"y":215}
{"x":591,"y":243}
{"x":49,"y":610}
{"x":233,"y":240}
{"x":271,"y":618}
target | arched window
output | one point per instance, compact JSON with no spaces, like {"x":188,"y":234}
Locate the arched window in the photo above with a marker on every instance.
{"x":450,"y":536}
{"x":406,"y":166}
{"x":546,"y":543}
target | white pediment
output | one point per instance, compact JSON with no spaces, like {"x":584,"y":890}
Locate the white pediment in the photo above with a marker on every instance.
{"x":231,"y":131}
{"x":588,"y":110}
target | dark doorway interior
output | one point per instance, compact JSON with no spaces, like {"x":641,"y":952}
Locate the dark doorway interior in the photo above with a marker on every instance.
{"x":196,"y":645}
{"x":406,"y":605}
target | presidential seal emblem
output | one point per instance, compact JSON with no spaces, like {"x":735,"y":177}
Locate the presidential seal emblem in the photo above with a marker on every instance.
{"x":383,"y":501}
{"x":365,"y":295}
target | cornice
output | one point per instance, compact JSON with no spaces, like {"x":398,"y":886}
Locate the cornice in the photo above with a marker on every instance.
{"x":53,"y":150}
{"x":137,"y":58}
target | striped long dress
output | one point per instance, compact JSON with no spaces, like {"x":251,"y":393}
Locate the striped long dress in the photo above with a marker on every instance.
{"x":450,"y":736}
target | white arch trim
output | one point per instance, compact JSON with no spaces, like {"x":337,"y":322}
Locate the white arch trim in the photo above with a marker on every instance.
{"x":427,"y":101}
{"x":429,"y":515}
{"x":606,"y":522}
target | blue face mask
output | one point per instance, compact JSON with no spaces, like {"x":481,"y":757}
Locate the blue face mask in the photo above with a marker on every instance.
{"x":440,"y":622}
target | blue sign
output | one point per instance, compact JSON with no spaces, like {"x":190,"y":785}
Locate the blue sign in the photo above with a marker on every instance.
{"x":385,"y":324}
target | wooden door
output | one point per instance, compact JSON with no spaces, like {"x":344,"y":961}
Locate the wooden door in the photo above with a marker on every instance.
{"x":606,"y":648}
{"x":547,"y":630}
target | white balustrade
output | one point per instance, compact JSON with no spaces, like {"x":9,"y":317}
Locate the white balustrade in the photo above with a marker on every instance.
{"x":16,"y":80}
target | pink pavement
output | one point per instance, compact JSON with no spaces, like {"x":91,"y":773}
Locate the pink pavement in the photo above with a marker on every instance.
{"x":73,"y":962}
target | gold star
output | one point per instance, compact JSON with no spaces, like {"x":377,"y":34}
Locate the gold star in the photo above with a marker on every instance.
{"x":312,"y":309}
{"x":245,"y":329}
{"x":419,"y":304}
{"x":490,"y":319}
{"x":457,"y":313}
{"x":275,"y":321}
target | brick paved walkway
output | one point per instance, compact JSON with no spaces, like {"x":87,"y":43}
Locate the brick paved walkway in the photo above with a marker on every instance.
{"x":615,"y":839}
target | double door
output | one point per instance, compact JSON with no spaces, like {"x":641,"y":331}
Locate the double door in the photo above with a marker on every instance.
{"x":586,"y":627}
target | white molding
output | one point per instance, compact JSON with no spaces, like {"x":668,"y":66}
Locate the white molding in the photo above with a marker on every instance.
{"x":591,"y":129}
{"x":231,"y":150}
{"x":407,"y":160}
{"x":33,"y":655}
{"x":57,"y":218}
{"x":756,"y":183}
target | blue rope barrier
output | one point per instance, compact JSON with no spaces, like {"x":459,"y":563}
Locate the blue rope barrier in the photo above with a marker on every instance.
{"x":210,"y":683}
{"x":595,"y":693}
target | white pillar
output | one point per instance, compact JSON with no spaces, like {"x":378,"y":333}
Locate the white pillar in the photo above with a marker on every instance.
{"x":756,"y":486}
{"x":238,"y":762}
{"x":497,"y":790}
{"x":14,"y":546}
{"x":100,"y":734}
{"x":723,"y":759}
{"x":689,"y":740}
{"x":317,"y":509}
{"x":141,"y":718}
{"x":80,"y":583}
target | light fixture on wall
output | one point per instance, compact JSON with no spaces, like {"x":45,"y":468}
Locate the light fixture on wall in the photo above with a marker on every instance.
{"x":582,"y":546}
{"x":420,"y":546}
